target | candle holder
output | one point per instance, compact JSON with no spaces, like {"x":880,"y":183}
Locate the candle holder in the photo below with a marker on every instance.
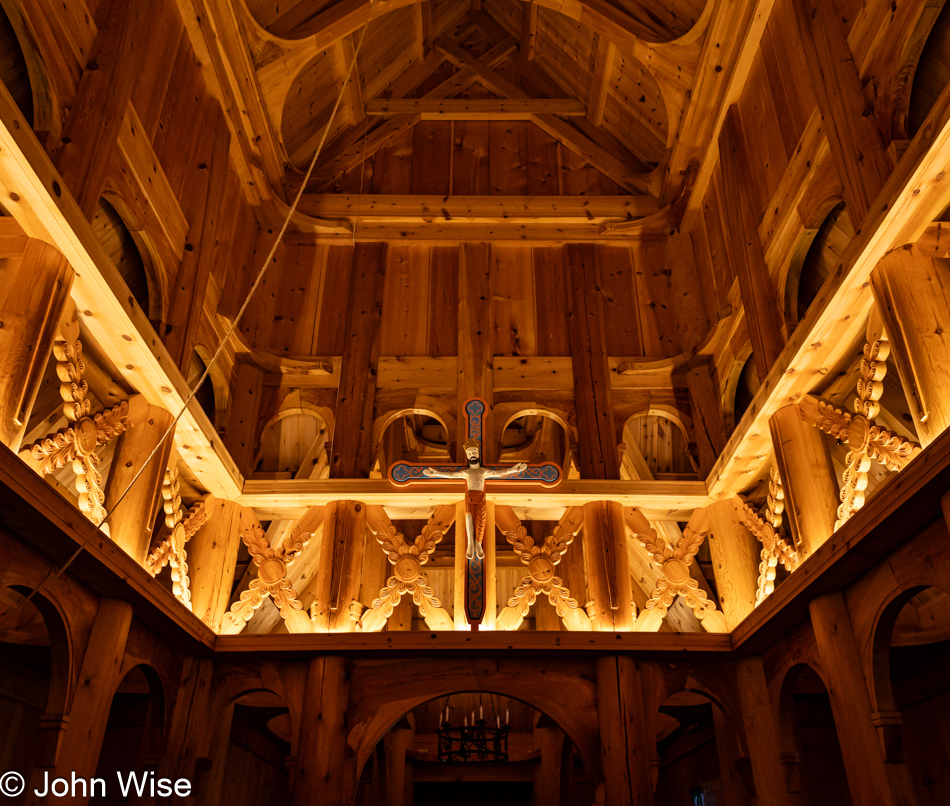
{"x":479,"y":742}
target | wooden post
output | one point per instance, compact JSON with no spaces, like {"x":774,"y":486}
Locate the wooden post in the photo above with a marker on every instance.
{"x":734,"y":788}
{"x":351,"y":454}
{"x":105,"y":87}
{"x":344,"y":538}
{"x":597,"y":438}
{"x":34,"y":290}
{"x":745,"y":247}
{"x":708,"y":422}
{"x":130,"y":526}
{"x":808,"y":477}
{"x":735,"y":560}
{"x":475,"y":345}
{"x":488,"y":569}
{"x":913,"y":295}
{"x":191,"y":728}
{"x":608,"y":572}
{"x":241,"y":431}
{"x":322,"y":749}
{"x":626,"y":745}
{"x":398,"y":770}
{"x":98,"y":678}
{"x":761,"y":732}
{"x":212,"y":557}
{"x":547,"y":774}
{"x":850,"y":702}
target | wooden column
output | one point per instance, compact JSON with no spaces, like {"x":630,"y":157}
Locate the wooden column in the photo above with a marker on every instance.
{"x":188,"y":291}
{"x":708,"y":422}
{"x":608,"y":573}
{"x":913,"y":296}
{"x":34,"y":292}
{"x":338,"y":583}
{"x":734,"y":786}
{"x":735,"y":560}
{"x":547,"y":775}
{"x":212,"y":557}
{"x":191,"y":729}
{"x":98,"y":678}
{"x":241,"y":432}
{"x":105,"y":87}
{"x":808,"y":478}
{"x":766,"y":328}
{"x":850,"y":701}
{"x":398,"y":771}
{"x":597,"y":437}
{"x":351,"y":454}
{"x":130,"y":526}
{"x":322,"y":749}
{"x":761,"y":732}
{"x":475,"y":345}
{"x":626,"y":744}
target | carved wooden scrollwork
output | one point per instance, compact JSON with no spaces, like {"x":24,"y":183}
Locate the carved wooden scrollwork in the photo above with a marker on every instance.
{"x":272,"y":579}
{"x":866,"y":440}
{"x":171,"y":551}
{"x":541,"y":561}
{"x":76,"y":444}
{"x":776,"y":548}
{"x":407,"y":559}
{"x":675,"y":579}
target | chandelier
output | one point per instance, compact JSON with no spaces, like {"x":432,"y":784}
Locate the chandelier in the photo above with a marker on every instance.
{"x":474,"y":740}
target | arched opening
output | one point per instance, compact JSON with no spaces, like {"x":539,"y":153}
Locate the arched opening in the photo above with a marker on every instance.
{"x":911,"y":654}
{"x":747,"y":384}
{"x":293,"y":446}
{"x":413,"y":437}
{"x":212,"y":395}
{"x":14,"y":72}
{"x":260,"y":739}
{"x":804,"y":282}
{"x":700,"y":760}
{"x":420,"y":758}
{"x":811,"y":753}
{"x":116,"y":238}
{"x":134,"y":740}
{"x":34,"y":669}
{"x":535,"y":437}
{"x":932,"y":73}
{"x":656,"y":447}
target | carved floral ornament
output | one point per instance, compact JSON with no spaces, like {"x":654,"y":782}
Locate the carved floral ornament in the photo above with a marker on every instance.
{"x":866,"y":440}
{"x":171,"y":551}
{"x":76,"y":443}
{"x":541,"y":561}
{"x":407,"y":559}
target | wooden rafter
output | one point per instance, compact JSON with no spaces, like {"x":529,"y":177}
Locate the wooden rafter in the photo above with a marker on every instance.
{"x":601,"y":84}
{"x":476,"y":108}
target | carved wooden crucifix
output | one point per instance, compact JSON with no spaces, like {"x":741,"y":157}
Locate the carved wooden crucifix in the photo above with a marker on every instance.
{"x":475,"y":476}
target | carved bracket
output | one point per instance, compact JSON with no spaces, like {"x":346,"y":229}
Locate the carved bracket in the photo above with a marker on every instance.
{"x":775,"y":547}
{"x":675,"y":579}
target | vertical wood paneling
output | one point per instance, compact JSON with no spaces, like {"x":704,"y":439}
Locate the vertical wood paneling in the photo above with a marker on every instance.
{"x":331,"y":326}
{"x":621,"y":312}
{"x":551,"y":301}
{"x":443,"y":300}
{"x":512,"y":302}
{"x":404,"y":328}
{"x":431,"y":154}
{"x":508,"y":158}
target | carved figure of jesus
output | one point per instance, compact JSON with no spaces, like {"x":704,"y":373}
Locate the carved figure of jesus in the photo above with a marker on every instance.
{"x":476,"y":510}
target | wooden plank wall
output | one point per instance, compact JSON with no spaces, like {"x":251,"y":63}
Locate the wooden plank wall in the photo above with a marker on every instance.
{"x":297,"y":310}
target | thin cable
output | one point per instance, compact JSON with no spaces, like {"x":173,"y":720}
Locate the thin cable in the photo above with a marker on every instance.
{"x":227,"y":335}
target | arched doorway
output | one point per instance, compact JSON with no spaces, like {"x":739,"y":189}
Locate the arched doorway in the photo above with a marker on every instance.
{"x":811,"y":753}
{"x":419,"y":759}
{"x":911,"y":654}
{"x":135,"y":733}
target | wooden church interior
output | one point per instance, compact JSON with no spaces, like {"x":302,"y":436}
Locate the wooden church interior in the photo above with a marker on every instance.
{"x":695,"y":253}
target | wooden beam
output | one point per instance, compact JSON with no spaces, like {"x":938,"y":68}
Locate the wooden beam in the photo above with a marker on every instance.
{"x":529,"y":30}
{"x":855,"y":141}
{"x":495,"y":210}
{"x":755,"y":285}
{"x":351,"y":454}
{"x":475,"y":345}
{"x":476,"y":108}
{"x":608,"y":572}
{"x":705,"y":405}
{"x":354,"y":87}
{"x":603,"y":66}
{"x":95,"y":114}
{"x":291,"y":498}
{"x":735,"y":560}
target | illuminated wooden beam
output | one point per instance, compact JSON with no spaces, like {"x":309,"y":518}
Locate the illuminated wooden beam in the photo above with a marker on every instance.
{"x":476,"y":108}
